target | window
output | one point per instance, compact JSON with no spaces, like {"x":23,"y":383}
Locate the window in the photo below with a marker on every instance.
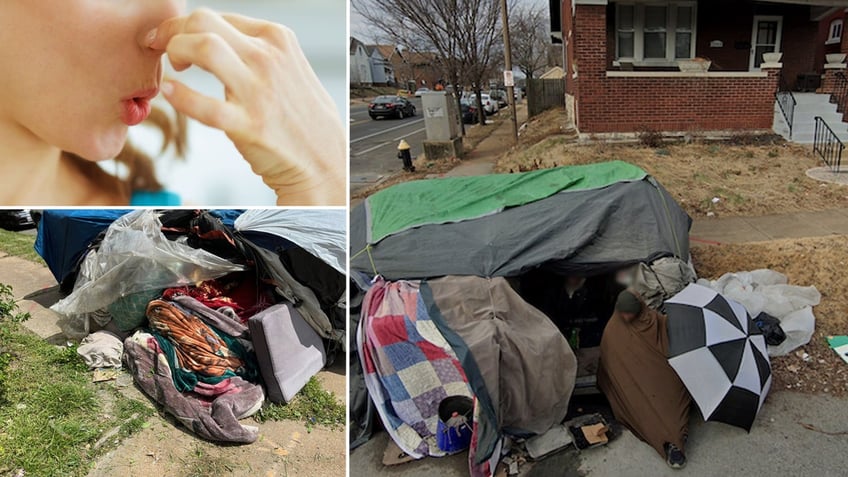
{"x":835,"y":32}
{"x":655,"y":33}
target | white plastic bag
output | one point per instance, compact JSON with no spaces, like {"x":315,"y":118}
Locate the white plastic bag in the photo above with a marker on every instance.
{"x":798,"y":326}
{"x":768,"y":291}
{"x":135,"y":256}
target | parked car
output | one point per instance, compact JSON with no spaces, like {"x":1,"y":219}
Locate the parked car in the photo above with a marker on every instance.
{"x":469,"y":111}
{"x":500,"y":96}
{"x":420,"y":91}
{"x":16,"y":219}
{"x":390,"y":106}
{"x":489,"y":105}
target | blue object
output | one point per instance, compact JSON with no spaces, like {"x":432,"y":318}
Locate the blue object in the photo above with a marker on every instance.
{"x":453,"y":431}
{"x":162,"y":198}
{"x":64,"y":235}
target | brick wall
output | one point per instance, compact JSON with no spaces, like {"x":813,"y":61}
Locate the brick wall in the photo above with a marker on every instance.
{"x":630,"y":104}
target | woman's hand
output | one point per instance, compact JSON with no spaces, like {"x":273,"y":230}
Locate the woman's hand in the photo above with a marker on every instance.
{"x":276,"y":112}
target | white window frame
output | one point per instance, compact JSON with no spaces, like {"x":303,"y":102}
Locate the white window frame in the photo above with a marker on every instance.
{"x":764,"y":18}
{"x":638,"y":58}
{"x":835,"y":32}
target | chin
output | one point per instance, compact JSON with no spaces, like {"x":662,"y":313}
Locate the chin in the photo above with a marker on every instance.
{"x":104,"y":145}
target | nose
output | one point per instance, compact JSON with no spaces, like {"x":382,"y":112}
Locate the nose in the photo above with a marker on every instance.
{"x":152,"y":13}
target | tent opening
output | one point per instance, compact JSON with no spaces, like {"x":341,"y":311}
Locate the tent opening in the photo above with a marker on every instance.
{"x":579,"y":306}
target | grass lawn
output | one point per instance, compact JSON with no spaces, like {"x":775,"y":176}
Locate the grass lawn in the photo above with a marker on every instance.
{"x":19,"y":245}
{"x":55,"y":420}
{"x":820,"y":262}
{"x":747,"y":179}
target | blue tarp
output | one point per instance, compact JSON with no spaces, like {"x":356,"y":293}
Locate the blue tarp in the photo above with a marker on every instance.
{"x":64,"y":235}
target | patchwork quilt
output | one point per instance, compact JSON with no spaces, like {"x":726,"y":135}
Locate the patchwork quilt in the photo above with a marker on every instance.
{"x":408,"y":365}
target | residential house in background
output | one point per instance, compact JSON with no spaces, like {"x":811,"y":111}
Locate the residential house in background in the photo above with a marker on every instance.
{"x":360,"y":64}
{"x":690,"y":65}
{"x":412,"y":70}
{"x":382,"y":71}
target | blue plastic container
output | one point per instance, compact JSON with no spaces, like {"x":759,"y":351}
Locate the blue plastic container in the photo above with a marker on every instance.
{"x":458,"y":438}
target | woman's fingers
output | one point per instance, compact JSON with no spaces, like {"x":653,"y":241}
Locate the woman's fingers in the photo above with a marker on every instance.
{"x":277,"y":35}
{"x":213,"y":54}
{"x":210,"y":111}
{"x":199,"y":21}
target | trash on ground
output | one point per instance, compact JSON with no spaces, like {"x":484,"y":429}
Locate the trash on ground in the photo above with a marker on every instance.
{"x":839,"y":344}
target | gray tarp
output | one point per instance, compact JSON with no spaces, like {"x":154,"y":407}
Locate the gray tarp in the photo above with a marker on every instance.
{"x":571,"y":232}
{"x":518,"y":364}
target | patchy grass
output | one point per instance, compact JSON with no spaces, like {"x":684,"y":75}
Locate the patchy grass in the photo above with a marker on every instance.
{"x":312,"y":405}
{"x":820,"y":262}
{"x":19,"y":245}
{"x":760,"y":179}
{"x":52,"y":415}
{"x":200,"y":463}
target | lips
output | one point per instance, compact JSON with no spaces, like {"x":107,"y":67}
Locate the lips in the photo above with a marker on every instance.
{"x":136,"y":107}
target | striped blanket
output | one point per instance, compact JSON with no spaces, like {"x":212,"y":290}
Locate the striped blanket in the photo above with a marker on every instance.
{"x":408,"y":366}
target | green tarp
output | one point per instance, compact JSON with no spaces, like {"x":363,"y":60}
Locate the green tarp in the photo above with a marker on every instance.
{"x":455,"y":199}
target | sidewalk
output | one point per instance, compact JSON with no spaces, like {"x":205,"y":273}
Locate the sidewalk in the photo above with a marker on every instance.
{"x":769,"y":227}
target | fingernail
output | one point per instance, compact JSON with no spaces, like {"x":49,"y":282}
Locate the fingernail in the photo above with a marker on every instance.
{"x":151,"y":36}
{"x":167,"y":88}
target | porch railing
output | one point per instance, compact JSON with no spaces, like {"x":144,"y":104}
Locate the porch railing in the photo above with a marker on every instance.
{"x":786,"y":101}
{"x":827,"y":145}
{"x":840,"y":92}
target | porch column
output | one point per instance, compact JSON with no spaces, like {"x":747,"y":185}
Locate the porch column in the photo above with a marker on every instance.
{"x":829,"y":77}
{"x":773,"y":70}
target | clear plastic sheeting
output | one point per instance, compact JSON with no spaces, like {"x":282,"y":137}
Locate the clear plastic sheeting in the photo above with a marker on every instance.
{"x":135,"y":256}
{"x":320,"y":232}
{"x":769,"y":291}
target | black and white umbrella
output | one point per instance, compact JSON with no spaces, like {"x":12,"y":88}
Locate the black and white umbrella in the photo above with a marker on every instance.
{"x":719,"y":354}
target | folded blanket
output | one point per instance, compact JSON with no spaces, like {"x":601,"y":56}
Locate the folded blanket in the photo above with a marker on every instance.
{"x":198,"y":348}
{"x":408,"y":366}
{"x":214,"y":416}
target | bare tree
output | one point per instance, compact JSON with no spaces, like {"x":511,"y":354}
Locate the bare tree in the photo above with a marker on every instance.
{"x":461,"y":33}
{"x":528,"y":28}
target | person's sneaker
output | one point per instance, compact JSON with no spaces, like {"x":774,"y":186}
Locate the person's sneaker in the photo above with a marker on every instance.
{"x":674,"y":457}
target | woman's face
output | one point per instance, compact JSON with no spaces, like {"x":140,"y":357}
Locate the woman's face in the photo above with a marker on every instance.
{"x":76,"y":73}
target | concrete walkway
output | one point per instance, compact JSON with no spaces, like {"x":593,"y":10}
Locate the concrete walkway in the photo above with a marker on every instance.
{"x":769,"y":227}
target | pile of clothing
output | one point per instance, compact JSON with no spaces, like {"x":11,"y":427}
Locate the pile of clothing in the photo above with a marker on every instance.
{"x":200,"y":315}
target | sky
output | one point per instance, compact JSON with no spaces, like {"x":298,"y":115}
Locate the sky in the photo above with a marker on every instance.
{"x":363,"y":31}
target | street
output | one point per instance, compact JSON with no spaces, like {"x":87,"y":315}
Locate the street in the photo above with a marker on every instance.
{"x":373,"y":144}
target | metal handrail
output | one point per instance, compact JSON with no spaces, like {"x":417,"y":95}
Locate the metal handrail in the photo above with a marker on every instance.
{"x":786,"y":101}
{"x":827,"y":145}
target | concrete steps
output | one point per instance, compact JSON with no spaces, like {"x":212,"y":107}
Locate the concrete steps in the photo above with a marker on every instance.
{"x":810,"y":105}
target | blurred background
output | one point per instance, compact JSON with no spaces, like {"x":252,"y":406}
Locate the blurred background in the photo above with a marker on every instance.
{"x":214,"y":173}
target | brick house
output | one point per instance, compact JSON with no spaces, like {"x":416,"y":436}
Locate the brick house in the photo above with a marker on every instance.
{"x":411,"y":69}
{"x":622,"y":60}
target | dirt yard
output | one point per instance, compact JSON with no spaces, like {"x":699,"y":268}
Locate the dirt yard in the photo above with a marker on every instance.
{"x":811,"y":261}
{"x":758,"y":179}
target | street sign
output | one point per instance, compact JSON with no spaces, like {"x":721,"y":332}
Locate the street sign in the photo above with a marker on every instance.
{"x":508,"y":79}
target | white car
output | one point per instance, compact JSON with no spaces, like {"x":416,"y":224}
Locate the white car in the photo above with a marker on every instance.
{"x":489,"y":105}
{"x":421,"y":91}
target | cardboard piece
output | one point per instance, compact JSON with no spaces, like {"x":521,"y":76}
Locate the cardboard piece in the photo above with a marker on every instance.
{"x":595,"y":434}
{"x":394,"y":455}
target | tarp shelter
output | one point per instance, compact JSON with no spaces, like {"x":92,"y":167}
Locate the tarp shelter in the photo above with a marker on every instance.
{"x":583,"y":220}
{"x":577,"y":219}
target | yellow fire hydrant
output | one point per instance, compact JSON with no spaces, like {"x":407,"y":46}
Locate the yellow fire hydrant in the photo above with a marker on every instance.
{"x":405,"y":156}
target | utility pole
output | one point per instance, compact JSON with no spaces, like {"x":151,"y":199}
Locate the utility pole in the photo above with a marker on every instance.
{"x":510,"y":86}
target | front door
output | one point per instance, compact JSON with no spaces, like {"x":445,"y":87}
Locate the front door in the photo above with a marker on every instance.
{"x":765,"y":38}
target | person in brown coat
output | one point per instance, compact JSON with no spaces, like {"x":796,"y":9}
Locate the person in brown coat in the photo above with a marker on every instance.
{"x":645,"y":393}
